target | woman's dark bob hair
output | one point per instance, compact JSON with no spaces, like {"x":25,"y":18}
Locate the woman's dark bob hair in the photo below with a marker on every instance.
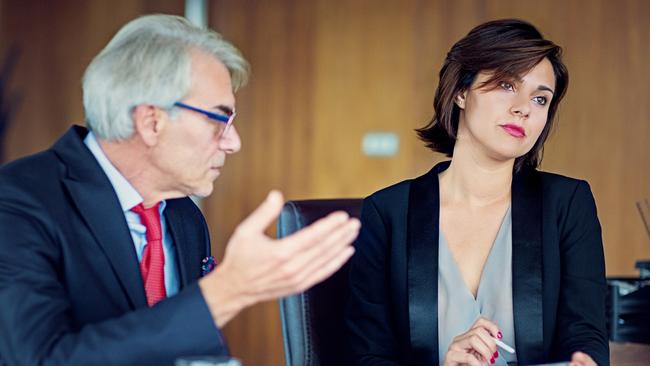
{"x":506,"y":48}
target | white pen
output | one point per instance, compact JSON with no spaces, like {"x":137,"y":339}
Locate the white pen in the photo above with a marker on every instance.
{"x":503,"y":345}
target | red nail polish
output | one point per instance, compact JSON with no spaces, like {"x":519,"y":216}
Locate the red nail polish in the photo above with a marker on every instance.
{"x":499,"y":335}
{"x":492,"y":360}
{"x":496,"y":354}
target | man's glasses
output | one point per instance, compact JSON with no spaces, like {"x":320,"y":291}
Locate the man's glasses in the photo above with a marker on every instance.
{"x":224,"y":121}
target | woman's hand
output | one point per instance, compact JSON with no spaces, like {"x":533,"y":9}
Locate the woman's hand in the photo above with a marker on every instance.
{"x":474,"y":347}
{"x":581,"y":359}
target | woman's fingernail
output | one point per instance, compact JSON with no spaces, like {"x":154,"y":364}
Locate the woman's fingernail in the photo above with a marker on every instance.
{"x":496,"y":354}
{"x":492,"y":360}
{"x":499,"y":335}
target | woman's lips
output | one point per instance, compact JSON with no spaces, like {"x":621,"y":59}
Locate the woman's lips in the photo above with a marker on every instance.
{"x":514,"y":130}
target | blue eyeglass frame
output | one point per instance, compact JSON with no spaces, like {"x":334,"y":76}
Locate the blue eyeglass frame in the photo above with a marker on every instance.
{"x":211,"y":115}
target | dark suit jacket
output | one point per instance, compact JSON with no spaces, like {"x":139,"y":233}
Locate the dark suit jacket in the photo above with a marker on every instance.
{"x":71,"y":292}
{"x":557,"y":265}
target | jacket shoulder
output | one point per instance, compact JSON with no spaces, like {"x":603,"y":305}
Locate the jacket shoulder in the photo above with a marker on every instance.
{"x":35,"y":165}
{"x":557,"y":180}
{"x":33,"y":173}
{"x":566,"y":197}
{"x":560,"y":186}
{"x":391,"y":194}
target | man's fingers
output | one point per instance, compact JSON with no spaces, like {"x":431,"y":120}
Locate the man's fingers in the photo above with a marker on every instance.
{"x":337,"y":238}
{"x":298,"y":256}
{"x":317,"y":231}
{"x":321,"y":263}
{"x":302,"y":263}
{"x":285,"y":259}
{"x":296,"y":262}
{"x":264,"y":214}
{"x":310,"y":277}
{"x":327,"y":269}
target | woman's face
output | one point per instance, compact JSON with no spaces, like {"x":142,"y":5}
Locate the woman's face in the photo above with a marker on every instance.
{"x":503,"y":121}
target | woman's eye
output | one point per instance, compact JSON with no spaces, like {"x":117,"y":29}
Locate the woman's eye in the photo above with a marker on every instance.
{"x":540,"y":100}
{"x":506,"y":86}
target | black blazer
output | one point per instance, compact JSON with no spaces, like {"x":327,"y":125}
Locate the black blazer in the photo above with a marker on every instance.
{"x":71,"y":292}
{"x":558,"y":273}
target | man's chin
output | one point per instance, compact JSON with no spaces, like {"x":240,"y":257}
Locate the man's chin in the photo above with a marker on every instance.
{"x":203,"y":192}
{"x":201,"y":188}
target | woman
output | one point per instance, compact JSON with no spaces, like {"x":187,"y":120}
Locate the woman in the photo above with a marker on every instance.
{"x":483,"y":247}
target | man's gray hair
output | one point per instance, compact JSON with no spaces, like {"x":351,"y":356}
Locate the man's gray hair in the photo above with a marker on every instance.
{"x":148,"y":62}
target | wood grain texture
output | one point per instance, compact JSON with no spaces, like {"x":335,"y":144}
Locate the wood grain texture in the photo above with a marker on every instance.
{"x":56,"y":41}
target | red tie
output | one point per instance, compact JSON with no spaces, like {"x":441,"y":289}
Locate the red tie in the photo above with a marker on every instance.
{"x":152,"y":265}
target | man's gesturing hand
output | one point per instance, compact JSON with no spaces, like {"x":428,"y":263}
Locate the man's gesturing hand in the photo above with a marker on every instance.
{"x":257,"y":268}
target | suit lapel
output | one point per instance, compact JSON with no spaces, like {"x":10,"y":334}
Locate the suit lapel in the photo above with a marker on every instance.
{"x":187,"y":254}
{"x":527,"y":266}
{"x":422,"y":257}
{"x":99,"y":207}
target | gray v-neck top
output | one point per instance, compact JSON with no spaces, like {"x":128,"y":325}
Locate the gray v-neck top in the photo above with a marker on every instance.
{"x":457,"y":307}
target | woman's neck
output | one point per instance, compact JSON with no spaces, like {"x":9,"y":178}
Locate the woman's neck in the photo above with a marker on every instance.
{"x":476,"y":181}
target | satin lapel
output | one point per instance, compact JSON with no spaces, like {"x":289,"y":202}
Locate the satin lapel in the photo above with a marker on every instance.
{"x":99,"y":207}
{"x":188,"y":257}
{"x":422,"y":257}
{"x":527,"y":266}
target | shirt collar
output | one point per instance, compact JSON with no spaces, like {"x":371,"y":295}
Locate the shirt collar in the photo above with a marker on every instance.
{"x":126,"y":193}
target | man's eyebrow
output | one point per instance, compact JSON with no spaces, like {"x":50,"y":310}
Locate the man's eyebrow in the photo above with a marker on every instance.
{"x":225,"y":109}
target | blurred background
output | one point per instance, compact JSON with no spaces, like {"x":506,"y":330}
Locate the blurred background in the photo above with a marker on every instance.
{"x":328,"y":74}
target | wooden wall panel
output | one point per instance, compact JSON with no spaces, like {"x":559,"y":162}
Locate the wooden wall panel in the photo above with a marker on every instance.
{"x":56,"y":40}
{"x":274,"y":111}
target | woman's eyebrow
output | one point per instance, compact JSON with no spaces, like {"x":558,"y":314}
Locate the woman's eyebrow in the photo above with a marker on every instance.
{"x":545,"y":88}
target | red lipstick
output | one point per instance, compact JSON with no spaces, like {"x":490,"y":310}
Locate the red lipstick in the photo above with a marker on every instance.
{"x":514,"y":130}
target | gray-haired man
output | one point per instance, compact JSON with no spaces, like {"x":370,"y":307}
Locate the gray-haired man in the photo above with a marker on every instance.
{"x":102,"y":249}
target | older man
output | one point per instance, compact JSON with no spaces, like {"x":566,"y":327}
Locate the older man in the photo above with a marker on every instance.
{"x":100,"y":248}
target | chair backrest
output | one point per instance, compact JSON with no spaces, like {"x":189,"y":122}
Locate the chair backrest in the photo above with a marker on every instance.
{"x":312,"y":321}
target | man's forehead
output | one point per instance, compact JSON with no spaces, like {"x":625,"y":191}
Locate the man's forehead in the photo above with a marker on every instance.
{"x":211,"y":80}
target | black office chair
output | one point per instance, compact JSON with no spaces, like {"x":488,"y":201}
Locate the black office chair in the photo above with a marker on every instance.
{"x":312,"y":321}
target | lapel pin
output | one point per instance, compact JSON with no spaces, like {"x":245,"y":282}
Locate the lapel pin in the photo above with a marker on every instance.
{"x":207,"y":265}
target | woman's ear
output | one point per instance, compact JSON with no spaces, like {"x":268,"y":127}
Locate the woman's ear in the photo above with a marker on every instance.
{"x":460,"y":99}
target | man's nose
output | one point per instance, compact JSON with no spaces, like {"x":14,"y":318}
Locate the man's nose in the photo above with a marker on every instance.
{"x":230,"y":142}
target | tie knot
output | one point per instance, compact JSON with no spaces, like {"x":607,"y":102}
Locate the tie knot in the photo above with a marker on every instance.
{"x":150,"y":218}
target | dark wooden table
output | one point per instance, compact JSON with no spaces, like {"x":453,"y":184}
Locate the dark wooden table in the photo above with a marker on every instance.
{"x":629,"y":354}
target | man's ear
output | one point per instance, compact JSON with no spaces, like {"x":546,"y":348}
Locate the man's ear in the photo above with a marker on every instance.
{"x":148,"y":122}
{"x":460,"y":99}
